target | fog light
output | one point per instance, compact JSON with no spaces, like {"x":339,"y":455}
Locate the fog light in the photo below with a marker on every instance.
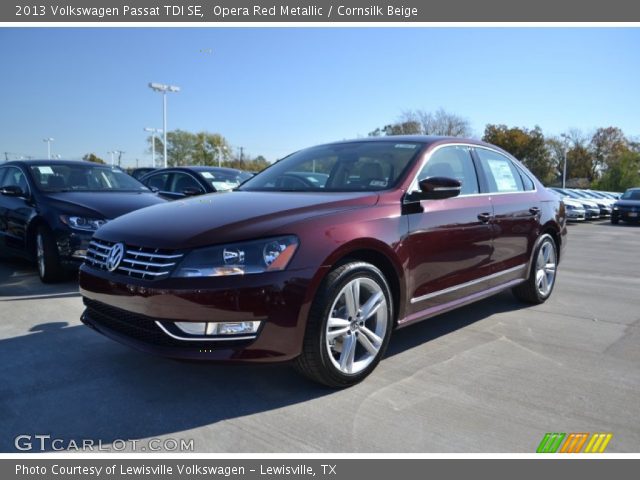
{"x":192,"y":328}
{"x":232,"y":328}
{"x":79,"y":254}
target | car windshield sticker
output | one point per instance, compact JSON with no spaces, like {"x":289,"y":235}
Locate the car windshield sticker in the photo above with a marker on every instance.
{"x":378,"y":183}
{"x":505,"y":181}
{"x":46,"y":170}
{"x":405,"y":145}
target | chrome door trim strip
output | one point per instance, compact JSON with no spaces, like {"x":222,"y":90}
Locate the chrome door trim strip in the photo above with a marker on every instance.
{"x":468,"y":284}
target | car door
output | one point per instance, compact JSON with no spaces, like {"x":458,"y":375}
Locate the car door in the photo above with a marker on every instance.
{"x":516,"y":210}
{"x":159,"y":182}
{"x":15,"y":211}
{"x":450,"y":240}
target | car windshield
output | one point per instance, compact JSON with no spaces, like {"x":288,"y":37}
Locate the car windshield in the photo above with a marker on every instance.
{"x":221,"y":180}
{"x":631,"y":195}
{"x":344,"y":167}
{"x":82,"y":177}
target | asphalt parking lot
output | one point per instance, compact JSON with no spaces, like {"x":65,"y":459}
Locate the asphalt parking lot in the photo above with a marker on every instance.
{"x":491,"y":377}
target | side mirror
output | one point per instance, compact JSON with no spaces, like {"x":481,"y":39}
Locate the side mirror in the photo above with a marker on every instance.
{"x":437,"y":188}
{"x":192,"y":191}
{"x":11,"y":191}
{"x":154,"y":189}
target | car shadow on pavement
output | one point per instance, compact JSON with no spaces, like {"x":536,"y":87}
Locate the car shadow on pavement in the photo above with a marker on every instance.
{"x":430,"y":329}
{"x":73,"y":384}
{"x":19,"y":281}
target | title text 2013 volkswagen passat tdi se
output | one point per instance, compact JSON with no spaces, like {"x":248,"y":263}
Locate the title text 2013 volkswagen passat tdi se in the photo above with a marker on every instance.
{"x":391,"y":231}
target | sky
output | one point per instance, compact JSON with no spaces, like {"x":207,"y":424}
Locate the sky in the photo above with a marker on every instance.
{"x":276,"y":90}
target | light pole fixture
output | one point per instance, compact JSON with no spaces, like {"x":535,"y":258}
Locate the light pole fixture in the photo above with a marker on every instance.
{"x":565,"y":148}
{"x":164,"y":89}
{"x":153,"y":132}
{"x":48,"y":140}
{"x":221,"y":150}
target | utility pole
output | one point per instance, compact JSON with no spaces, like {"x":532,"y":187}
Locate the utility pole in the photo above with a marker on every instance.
{"x":241,"y":154}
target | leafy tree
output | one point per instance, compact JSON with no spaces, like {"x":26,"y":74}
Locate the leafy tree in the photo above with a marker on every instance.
{"x":92,"y":157}
{"x":623,"y":174}
{"x":608,"y":145}
{"x":186,"y":148}
{"x":529,"y":146}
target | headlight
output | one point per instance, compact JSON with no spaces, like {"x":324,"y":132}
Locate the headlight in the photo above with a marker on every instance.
{"x":82,"y":223}
{"x":257,"y":256}
{"x":616,"y":207}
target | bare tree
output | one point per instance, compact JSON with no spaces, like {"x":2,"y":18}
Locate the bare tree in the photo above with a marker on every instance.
{"x":439,"y":122}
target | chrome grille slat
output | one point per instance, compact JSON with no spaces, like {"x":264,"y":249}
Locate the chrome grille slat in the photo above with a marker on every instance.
{"x":148,"y":264}
{"x":138,"y":261}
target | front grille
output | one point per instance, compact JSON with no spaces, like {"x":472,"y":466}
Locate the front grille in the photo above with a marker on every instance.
{"x":138,"y":262}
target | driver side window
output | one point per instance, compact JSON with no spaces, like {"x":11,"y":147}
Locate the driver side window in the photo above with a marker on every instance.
{"x":453,"y":162}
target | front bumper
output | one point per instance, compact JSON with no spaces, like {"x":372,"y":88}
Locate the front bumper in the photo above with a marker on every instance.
{"x":575,"y":215}
{"x":72,"y":246}
{"x":627,"y":215}
{"x":131,"y":311}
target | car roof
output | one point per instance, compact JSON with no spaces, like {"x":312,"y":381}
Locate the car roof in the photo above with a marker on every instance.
{"x":197,"y":168}
{"x":29,"y":163}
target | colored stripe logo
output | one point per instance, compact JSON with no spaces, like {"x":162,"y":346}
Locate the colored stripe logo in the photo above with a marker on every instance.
{"x":573,"y":443}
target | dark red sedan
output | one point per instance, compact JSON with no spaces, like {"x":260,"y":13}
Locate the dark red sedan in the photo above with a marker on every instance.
{"x":321,"y":256}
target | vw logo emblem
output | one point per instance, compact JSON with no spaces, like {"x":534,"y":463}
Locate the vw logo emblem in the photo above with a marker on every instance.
{"x":115,"y":256}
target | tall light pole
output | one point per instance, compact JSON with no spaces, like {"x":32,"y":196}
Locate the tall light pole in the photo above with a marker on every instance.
{"x":161,"y":87}
{"x":112,"y":152}
{"x":48,"y":140}
{"x":221,"y":150}
{"x":153,"y":132}
{"x":565,"y":145}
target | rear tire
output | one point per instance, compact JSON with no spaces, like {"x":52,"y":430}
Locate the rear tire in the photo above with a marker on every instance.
{"x":49,"y":268}
{"x":348,"y":327}
{"x":542,"y":278}
{"x":615,"y":219}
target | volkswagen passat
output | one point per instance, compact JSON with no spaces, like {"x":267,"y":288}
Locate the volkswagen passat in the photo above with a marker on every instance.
{"x":321,"y":272}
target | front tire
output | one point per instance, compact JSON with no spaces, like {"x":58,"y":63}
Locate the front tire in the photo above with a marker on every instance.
{"x":349,"y":326}
{"x":615,"y":219}
{"x":542,"y":278}
{"x":49,"y":268}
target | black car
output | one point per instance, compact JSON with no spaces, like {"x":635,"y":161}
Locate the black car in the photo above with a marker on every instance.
{"x":138,"y":173}
{"x":180,"y":182}
{"x":49,"y":209}
{"x":628,"y":207}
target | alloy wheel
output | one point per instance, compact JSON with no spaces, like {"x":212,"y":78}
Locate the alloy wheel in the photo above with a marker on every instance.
{"x":357,"y":325}
{"x":546,"y":265}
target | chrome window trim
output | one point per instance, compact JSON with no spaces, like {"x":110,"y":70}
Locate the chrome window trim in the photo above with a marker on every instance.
{"x":413,"y":186}
{"x":467,"y":284}
{"x":203,"y":339}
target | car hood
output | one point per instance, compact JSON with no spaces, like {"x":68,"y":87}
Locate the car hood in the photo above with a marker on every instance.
{"x":226,"y":217}
{"x":107,"y":205}
{"x":572,"y":202}
{"x":628,"y":203}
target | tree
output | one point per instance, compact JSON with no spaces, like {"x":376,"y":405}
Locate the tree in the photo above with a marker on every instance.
{"x":608,"y":145}
{"x":92,"y":157}
{"x":623,"y":174}
{"x":186,"y":148}
{"x":421,"y":122}
{"x":529,"y":146}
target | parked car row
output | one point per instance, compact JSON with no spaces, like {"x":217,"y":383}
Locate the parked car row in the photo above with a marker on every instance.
{"x":586,"y":204}
{"x":315,"y":260}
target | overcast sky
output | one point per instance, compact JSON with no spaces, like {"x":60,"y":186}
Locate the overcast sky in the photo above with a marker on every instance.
{"x":275,"y":90}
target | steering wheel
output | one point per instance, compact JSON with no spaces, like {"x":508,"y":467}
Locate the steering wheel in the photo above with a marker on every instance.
{"x":288,"y":180}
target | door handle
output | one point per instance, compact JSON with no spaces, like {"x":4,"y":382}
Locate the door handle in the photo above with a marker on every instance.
{"x":484,"y":217}
{"x":534,"y":210}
